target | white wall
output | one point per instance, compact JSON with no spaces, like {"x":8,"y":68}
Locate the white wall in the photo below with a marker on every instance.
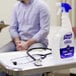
{"x":53,"y":10}
{"x":5,"y":9}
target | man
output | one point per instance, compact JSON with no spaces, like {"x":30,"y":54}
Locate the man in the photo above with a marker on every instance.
{"x":29,"y":25}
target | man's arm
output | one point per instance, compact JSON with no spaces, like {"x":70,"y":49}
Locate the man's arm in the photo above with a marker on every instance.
{"x":14,"y":26}
{"x":30,"y":42}
{"x":44,"y":24}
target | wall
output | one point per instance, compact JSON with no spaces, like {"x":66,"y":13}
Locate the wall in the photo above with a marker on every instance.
{"x":5,"y":9}
{"x":53,"y":10}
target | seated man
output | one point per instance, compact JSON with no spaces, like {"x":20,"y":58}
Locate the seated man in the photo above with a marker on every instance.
{"x":29,"y":26}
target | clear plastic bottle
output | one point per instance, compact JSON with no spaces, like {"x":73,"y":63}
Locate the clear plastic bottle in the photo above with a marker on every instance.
{"x":64,"y":46}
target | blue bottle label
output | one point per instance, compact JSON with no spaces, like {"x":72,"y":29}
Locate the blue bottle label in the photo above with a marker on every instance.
{"x":66,"y":46}
{"x":67,"y":52}
{"x":68,"y":36}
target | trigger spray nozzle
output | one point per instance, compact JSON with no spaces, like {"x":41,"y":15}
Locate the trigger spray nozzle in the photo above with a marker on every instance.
{"x":63,"y":7}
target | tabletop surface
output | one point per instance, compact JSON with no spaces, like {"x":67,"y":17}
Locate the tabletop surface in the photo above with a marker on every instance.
{"x":26,"y":64}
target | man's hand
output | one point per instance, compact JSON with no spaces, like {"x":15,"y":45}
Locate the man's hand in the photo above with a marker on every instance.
{"x":19,"y":46}
{"x":24,"y":45}
{"x":17,"y":42}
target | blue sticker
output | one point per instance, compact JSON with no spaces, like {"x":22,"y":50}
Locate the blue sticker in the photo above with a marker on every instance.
{"x":66,"y":52}
{"x":68,"y":36}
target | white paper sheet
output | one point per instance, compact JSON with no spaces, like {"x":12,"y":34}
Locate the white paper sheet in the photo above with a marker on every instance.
{"x":21,"y":58}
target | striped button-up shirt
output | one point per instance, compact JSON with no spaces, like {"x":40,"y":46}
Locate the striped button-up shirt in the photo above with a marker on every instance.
{"x":30,"y":21}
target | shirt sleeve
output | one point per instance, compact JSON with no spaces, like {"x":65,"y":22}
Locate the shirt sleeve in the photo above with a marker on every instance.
{"x":13,"y":24}
{"x":44,"y":25}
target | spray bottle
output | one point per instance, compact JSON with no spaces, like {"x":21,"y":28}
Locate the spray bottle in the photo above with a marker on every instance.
{"x":64,"y":46}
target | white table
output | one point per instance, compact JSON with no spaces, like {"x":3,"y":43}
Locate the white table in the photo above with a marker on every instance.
{"x":48,"y":64}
